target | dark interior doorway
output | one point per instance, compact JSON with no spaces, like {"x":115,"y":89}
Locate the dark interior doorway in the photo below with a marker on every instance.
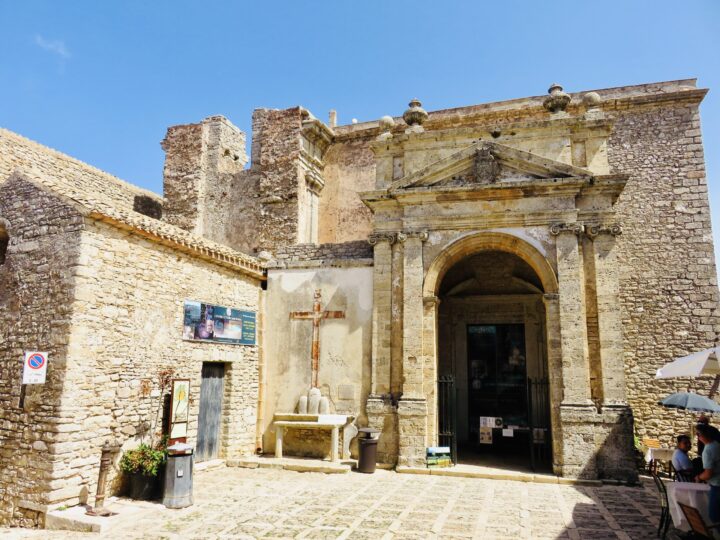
{"x":211,"y":398}
{"x":493,"y":392}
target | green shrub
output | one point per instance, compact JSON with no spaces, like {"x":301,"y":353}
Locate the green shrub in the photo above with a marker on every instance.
{"x":143,"y":459}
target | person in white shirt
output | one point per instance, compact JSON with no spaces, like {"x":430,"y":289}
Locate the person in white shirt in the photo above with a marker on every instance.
{"x":680,"y":460}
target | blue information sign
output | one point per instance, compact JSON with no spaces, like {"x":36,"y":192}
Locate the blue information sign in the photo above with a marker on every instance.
{"x":208,"y":322}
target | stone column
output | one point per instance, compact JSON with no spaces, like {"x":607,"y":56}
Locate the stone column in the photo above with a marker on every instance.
{"x":382,"y":314}
{"x":577,"y":412}
{"x":608,"y":311}
{"x":380,"y":410}
{"x":555,"y":371}
{"x":573,"y":323}
{"x":412,"y":408}
{"x":430,"y":340}
{"x":614,"y":434}
{"x":413,"y":315}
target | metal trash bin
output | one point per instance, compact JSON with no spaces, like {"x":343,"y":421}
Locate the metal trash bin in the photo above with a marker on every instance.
{"x":368,"y":449}
{"x":178,"y":476}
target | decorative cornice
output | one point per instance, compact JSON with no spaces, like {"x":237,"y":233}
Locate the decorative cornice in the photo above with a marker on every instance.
{"x":375,"y":238}
{"x":594,"y":229}
{"x":575,"y":228}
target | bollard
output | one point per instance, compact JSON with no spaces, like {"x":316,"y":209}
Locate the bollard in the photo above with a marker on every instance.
{"x":105,"y":462}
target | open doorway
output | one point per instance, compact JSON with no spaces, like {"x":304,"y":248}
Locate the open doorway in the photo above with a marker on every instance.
{"x":491,"y":351}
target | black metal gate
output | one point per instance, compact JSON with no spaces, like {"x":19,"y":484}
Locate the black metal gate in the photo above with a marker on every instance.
{"x":447,"y":417}
{"x":538,"y":402}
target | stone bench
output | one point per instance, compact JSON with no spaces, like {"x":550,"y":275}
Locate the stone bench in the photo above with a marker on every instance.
{"x":331,"y":422}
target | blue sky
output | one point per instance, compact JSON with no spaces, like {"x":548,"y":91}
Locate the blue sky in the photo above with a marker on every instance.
{"x":102,"y":81}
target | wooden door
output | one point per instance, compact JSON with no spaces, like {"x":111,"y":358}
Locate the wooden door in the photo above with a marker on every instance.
{"x":211,"y":397}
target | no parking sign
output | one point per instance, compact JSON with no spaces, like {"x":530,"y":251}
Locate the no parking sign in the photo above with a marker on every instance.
{"x":35,"y":367}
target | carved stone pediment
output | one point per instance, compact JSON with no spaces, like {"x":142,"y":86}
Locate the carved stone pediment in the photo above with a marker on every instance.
{"x":486,"y":163}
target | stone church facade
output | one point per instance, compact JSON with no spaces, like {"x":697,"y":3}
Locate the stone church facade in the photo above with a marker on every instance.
{"x":574,"y":228}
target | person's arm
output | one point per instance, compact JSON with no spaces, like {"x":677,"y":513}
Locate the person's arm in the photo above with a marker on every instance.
{"x":704,"y":476}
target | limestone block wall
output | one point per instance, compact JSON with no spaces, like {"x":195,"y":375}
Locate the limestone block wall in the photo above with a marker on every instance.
{"x":349,"y":168}
{"x":668,"y":283}
{"x":36,"y":291}
{"x":344,"y":372}
{"x":126,"y":329}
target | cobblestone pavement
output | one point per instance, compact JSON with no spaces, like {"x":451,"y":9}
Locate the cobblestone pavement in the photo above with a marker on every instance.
{"x":267,"y":503}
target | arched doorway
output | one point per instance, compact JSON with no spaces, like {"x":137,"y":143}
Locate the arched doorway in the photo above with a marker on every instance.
{"x":494,"y":389}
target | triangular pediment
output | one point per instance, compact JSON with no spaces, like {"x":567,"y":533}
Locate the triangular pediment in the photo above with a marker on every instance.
{"x":487,"y":162}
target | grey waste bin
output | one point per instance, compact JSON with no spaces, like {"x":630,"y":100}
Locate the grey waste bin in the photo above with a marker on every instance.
{"x":368,"y":449}
{"x":178,"y":476}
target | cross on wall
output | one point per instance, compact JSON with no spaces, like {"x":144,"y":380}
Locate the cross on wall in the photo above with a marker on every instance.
{"x":316,"y":315}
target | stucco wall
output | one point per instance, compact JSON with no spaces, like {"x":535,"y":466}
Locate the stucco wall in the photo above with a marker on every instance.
{"x":344,"y":373}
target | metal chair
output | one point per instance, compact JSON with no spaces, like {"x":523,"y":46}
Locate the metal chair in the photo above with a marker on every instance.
{"x":696,"y":521}
{"x":651,"y":443}
{"x":664,"y":507}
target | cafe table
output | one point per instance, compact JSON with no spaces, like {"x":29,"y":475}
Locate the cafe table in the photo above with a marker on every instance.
{"x":691,"y":494}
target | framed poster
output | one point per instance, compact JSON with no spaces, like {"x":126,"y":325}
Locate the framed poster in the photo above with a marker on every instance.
{"x":208,"y":322}
{"x":179,"y":410}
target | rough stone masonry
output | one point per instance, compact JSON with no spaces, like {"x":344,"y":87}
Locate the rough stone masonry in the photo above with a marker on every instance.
{"x":579,"y":220}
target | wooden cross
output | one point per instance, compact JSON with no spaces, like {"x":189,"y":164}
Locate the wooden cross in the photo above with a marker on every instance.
{"x":316,"y":315}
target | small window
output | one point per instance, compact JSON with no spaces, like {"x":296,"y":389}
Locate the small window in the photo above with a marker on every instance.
{"x":4,"y":241}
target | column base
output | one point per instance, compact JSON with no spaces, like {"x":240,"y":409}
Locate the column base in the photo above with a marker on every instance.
{"x":412,"y":432}
{"x":597,"y":444}
{"x":382,"y":415}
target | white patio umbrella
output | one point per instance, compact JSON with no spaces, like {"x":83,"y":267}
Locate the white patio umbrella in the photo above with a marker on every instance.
{"x":694,"y":365}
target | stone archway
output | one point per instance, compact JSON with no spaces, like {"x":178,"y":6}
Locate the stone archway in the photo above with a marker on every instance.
{"x":453,"y":254}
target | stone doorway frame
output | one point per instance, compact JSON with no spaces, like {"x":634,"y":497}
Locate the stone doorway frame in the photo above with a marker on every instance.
{"x":453,"y":253}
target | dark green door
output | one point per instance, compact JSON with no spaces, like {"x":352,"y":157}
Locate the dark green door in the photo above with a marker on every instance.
{"x":211,"y":395}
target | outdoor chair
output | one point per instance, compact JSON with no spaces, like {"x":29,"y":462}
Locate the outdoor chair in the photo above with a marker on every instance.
{"x":679,"y":476}
{"x":696,"y":521}
{"x":651,"y":443}
{"x":664,"y":507}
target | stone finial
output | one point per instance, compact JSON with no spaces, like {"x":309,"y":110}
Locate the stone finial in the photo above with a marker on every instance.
{"x":386,"y":124}
{"x":591,"y":100}
{"x":415,"y":115}
{"x":558,"y":100}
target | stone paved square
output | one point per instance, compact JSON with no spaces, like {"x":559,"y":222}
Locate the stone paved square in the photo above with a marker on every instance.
{"x":237,"y":503}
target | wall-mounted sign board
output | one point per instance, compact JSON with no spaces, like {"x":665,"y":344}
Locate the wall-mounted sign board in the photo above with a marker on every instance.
{"x":208,"y":322}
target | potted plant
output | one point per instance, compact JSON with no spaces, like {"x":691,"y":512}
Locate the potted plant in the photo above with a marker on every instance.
{"x":143,"y":465}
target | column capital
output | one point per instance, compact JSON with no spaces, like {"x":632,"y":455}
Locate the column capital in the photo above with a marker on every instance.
{"x":550,"y":297}
{"x":574,"y":228}
{"x":421,"y":235}
{"x":594,"y":229}
{"x":429,"y":300}
{"x":377,"y":237}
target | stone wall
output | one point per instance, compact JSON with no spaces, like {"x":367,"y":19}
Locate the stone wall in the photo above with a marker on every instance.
{"x":36,"y":293}
{"x":349,"y":169}
{"x":201,"y":162}
{"x":669,"y":289}
{"x":126,"y":329}
{"x":107,"y":306}
{"x":359,"y":249}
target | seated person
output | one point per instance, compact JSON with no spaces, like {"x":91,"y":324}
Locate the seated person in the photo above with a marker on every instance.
{"x":680,"y":460}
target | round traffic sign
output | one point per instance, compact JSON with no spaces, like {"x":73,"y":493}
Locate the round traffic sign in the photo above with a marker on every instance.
{"x":36,"y":361}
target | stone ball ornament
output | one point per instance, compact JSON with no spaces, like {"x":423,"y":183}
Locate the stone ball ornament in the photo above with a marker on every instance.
{"x":591,"y":100}
{"x":415,"y":115}
{"x":558,"y":100}
{"x":386,"y":123}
